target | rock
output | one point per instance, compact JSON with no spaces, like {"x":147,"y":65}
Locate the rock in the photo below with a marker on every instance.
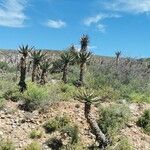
{"x":2,"y":116}
{"x":14,"y":126}
{"x":130,"y":124}
{"x":122,"y":101}
{"x":1,"y":133}
{"x":9,"y":116}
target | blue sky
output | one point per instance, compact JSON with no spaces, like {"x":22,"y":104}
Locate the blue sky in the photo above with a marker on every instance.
{"x":112,"y":25}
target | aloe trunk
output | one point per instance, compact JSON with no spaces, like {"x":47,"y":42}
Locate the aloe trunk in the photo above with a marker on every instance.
{"x":100,"y":137}
{"x":22,"y":83}
{"x":38,"y":74}
{"x":43,"y":75}
{"x":29,"y":65}
{"x":81,"y":72}
{"x":65,"y":72}
{"x":33,"y":72}
{"x":117,"y":61}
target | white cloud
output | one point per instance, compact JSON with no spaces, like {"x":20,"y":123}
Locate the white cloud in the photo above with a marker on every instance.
{"x":94,"y":19}
{"x":132,"y":6}
{"x":12,"y":13}
{"x":101,"y":27}
{"x":97,"y":20}
{"x":55,"y":24}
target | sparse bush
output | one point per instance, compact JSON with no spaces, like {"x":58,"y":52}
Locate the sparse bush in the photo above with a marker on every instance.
{"x":66,"y":88}
{"x":77,"y":146}
{"x":13,"y":95}
{"x":55,"y":124}
{"x":2,"y":102}
{"x":7,"y":95}
{"x":73,"y":74}
{"x":33,"y":146}
{"x":7,"y":87}
{"x":34,"y":96}
{"x":57,"y":66}
{"x":144,"y":121}
{"x":68,"y":91}
{"x":62,"y":121}
{"x":113,"y":118}
{"x":35,"y":134}
{"x":72,"y":131}
{"x":54,"y":92}
{"x":136,"y":97}
{"x":123,"y":144}
{"x":109,"y":93}
{"x":139,"y":97}
{"x":51,"y":126}
{"x":4,"y":66}
{"x":6,"y":145}
{"x":54,"y":143}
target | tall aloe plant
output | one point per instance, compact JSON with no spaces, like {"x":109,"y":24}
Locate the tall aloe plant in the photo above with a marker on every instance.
{"x":36,"y":57}
{"x":84,"y":41}
{"x":88,"y":98}
{"x":24,"y":51}
{"x":118,"y":54}
{"x":83,"y":58}
{"x":44,"y":67}
{"x":66,"y":58}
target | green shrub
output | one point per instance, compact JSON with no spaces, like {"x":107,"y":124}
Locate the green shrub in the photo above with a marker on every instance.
{"x":139,"y":97}
{"x":2,"y":102}
{"x":113,"y":118}
{"x":51,"y":126}
{"x":144,"y":121}
{"x":136,"y":97}
{"x":35,"y":134}
{"x":55,"y":124}
{"x":76,"y":146}
{"x":4,"y":66}
{"x":71,"y":131}
{"x":68,"y":91}
{"x":6,"y":145}
{"x":73,"y":74}
{"x":7,"y":88}
{"x":123,"y":144}
{"x":7,"y":95}
{"x":54,"y":143}
{"x":35,"y":96}
{"x":110,"y":93}
{"x":62,"y":121}
{"x":33,"y":146}
{"x":13,"y":95}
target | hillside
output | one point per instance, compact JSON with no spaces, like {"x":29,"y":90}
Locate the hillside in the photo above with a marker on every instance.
{"x":63,"y":101}
{"x":17,"y":124}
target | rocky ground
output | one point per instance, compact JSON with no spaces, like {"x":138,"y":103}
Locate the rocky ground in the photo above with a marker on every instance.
{"x":138,"y":138}
{"x":16,"y":124}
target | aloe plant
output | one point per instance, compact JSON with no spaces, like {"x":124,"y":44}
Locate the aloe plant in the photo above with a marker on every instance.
{"x":83,"y":58}
{"x":44,"y":67}
{"x":88,"y":98}
{"x":66,"y":58}
{"x":37,"y":57}
{"x":84,"y":41}
{"x":24,"y":51}
{"x":118,"y":54}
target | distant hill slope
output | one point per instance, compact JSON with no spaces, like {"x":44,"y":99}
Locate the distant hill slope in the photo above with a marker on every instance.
{"x":10,"y":53}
